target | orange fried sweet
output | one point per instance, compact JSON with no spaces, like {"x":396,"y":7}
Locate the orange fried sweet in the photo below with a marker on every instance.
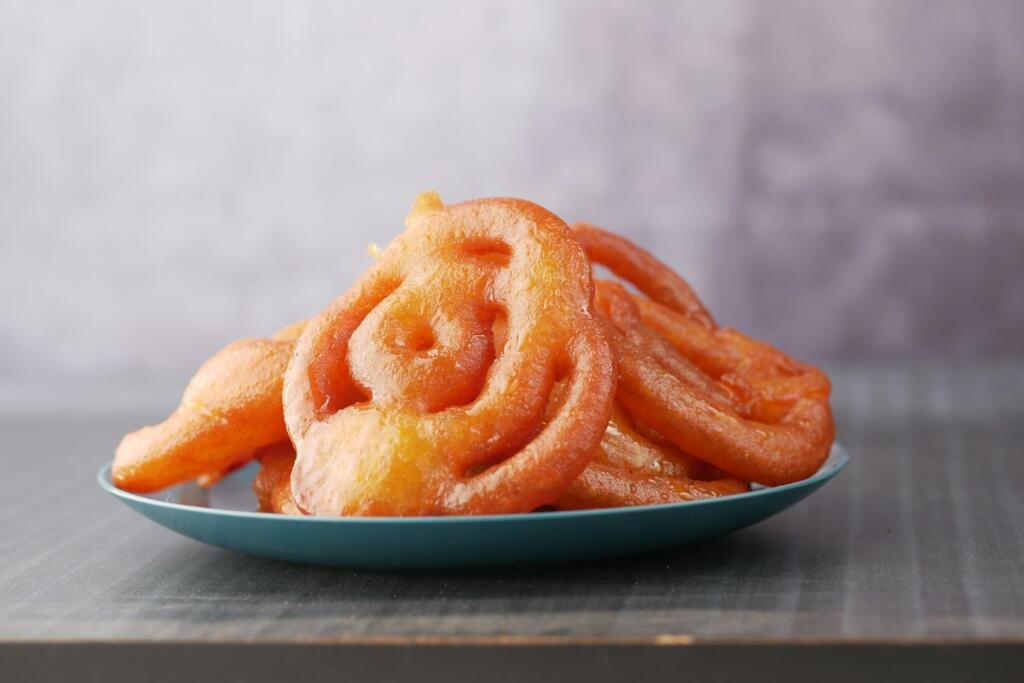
{"x":230,"y":408}
{"x":604,"y":486}
{"x":398,"y":400}
{"x":633,"y":469}
{"x":713,"y":392}
{"x":639,"y":464}
{"x":736,"y":402}
{"x":630,"y":469}
{"x":638,"y":266}
{"x":273,"y":482}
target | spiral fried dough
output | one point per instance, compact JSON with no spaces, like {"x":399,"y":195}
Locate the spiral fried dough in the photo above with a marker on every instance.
{"x":397,"y":400}
{"x":768,"y":419}
{"x":638,"y":266}
{"x":630,"y":469}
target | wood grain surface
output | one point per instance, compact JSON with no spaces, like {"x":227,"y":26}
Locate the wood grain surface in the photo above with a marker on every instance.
{"x":919,"y":542}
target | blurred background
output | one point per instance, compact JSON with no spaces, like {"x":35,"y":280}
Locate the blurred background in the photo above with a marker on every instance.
{"x":843,"y":180}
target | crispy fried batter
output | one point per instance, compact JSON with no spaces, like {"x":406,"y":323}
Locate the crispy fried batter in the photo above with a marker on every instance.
{"x":230,"y":408}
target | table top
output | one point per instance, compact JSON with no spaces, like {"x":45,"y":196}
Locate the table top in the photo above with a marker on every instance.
{"x":920,"y":541}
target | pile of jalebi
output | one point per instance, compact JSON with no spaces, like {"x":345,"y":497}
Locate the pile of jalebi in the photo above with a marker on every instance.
{"x":476,"y":367}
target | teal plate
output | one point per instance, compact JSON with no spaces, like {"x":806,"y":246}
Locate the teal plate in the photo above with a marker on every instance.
{"x":222,"y":516}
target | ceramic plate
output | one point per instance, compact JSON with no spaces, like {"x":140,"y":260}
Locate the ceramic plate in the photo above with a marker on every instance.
{"x":223,"y":516}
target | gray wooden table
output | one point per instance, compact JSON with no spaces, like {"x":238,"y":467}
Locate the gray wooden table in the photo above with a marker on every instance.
{"x":910,"y":565}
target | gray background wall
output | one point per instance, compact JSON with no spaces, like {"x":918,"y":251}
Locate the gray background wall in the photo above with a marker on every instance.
{"x":839,"y":178}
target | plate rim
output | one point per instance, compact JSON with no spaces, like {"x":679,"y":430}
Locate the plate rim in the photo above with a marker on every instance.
{"x":836,"y":462}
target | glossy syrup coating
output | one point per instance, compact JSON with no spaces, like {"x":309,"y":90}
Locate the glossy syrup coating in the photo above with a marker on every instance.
{"x":398,"y":400}
{"x":230,"y":408}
